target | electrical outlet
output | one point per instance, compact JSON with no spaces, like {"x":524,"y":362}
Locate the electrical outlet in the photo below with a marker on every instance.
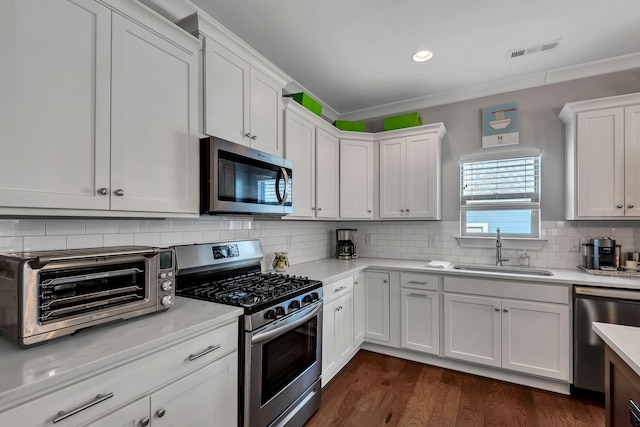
{"x":367,"y":238}
{"x":573,"y":245}
{"x":432,"y":241}
{"x":289,"y":242}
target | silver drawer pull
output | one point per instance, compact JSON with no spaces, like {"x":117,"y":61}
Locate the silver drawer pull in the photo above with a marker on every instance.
{"x":418,"y":283}
{"x":203,"y":352}
{"x":62,"y":415}
{"x":341,"y":288}
{"x":418,"y":295}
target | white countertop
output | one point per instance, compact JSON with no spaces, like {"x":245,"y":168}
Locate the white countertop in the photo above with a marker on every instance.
{"x":30,"y":370}
{"x":623,"y":340}
{"x":330,"y":269}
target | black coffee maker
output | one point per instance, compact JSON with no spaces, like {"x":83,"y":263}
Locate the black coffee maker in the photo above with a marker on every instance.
{"x":346,"y":243}
{"x":602,"y":252}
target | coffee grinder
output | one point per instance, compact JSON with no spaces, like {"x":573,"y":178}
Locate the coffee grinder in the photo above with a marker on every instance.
{"x":346,"y":243}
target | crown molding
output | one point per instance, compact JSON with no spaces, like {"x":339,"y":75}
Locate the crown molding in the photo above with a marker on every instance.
{"x":558,"y":75}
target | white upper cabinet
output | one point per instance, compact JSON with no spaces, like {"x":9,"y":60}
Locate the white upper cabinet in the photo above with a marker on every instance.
{"x":99,"y":116}
{"x":314,"y":148}
{"x":410,"y":172}
{"x":242,"y":91}
{"x":603,"y":136}
{"x":356,"y":177}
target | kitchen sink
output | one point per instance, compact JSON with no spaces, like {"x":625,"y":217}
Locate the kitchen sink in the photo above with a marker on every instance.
{"x":506,"y":269}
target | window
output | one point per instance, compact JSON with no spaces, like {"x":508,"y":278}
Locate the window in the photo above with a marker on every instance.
{"x":501,"y":193}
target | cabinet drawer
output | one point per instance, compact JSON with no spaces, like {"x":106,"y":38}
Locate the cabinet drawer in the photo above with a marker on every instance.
{"x":337,"y":288}
{"x":420,"y":281}
{"x":558,"y":294}
{"x":124,"y":383}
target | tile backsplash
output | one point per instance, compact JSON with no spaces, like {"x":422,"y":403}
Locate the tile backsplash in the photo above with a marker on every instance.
{"x":311,"y":240}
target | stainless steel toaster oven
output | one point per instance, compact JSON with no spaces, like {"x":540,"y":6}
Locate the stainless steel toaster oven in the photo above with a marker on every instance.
{"x":44,"y":295}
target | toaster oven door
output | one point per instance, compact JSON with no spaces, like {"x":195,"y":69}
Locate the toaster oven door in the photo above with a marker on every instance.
{"x":60,"y":298}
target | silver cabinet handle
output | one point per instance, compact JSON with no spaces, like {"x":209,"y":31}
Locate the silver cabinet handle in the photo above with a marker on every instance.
{"x":103,"y":191}
{"x":203,"y":352}
{"x":384,"y":281}
{"x":313,"y":209}
{"x":407,"y":210}
{"x":496,"y":308}
{"x":418,"y":295}
{"x":253,"y":137}
{"x":341,"y":288}
{"x":319,"y":209}
{"x":630,"y":206}
{"x":144,"y":422}
{"x":369,"y":211}
{"x":160,"y":413}
{"x":248,"y":135}
{"x":415,"y":282}
{"x":62,"y":415}
{"x":619,"y":206}
{"x":119,"y":192}
{"x":401,"y":210}
{"x":505,"y":310}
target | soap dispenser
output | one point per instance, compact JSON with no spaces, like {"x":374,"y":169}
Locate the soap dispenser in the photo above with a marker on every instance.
{"x":524,"y":259}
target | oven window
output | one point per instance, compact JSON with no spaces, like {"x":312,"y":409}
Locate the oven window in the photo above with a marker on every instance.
{"x":287,"y":356}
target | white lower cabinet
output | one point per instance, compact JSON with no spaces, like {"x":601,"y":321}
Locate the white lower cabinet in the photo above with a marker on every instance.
{"x":376,"y":307}
{"x":420,"y":313}
{"x":337,"y":327}
{"x":358,"y":308}
{"x":194,"y":383}
{"x":525,"y":336}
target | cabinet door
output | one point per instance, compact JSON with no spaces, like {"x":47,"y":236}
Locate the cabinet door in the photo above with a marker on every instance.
{"x":327,"y":161}
{"x":265,"y":113}
{"x":356,"y":179}
{"x":632,"y":160}
{"x":344,"y":326}
{"x":358,"y":309}
{"x":154,"y":150}
{"x":209,"y":396}
{"x":392,"y":178}
{"x":135,"y":414}
{"x":377,"y":302}
{"x":472,"y":329}
{"x":54,"y":108}
{"x":300,"y":143}
{"x":600,"y":163}
{"x":420,"y":323}
{"x":226,"y":94}
{"x":329,"y":354}
{"x":535,"y":338}
{"x":422,"y":171}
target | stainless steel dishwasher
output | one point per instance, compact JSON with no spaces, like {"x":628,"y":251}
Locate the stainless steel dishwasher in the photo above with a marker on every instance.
{"x":594,"y":304}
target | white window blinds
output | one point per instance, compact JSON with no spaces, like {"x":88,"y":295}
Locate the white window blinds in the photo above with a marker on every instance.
{"x":500,"y":184}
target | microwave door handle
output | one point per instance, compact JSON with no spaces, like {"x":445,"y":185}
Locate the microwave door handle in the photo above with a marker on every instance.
{"x":286,"y":185}
{"x":278,"y":176}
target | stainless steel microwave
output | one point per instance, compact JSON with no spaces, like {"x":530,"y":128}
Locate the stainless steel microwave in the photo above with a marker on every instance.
{"x":239,"y":179}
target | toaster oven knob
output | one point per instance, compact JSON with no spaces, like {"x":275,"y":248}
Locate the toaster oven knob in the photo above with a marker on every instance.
{"x":166,"y":300}
{"x":166,"y":285}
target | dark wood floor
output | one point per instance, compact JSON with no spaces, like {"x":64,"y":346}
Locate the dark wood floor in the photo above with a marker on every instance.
{"x":378,"y":390}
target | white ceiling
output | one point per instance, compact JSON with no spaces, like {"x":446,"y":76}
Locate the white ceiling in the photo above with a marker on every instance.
{"x":354,"y":55}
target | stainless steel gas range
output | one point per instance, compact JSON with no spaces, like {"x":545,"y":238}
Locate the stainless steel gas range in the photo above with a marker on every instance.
{"x":281,"y":329}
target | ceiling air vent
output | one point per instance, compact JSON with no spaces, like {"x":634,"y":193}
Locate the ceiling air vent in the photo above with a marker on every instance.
{"x":544,"y":47}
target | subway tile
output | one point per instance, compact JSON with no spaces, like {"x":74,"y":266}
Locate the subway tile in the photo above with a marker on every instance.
{"x":146,"y":239}
{"x":158,"y":225}
{"x":179,"y":225}
{"x":125,"y":239}
{"x":172,"y":238}
{"x":101,"y":226}
{"x":44,"y":243}
{"x":10,"y":244}
{"x":63,"y":227}
{"x":132,"y":226}
{"x":31,"y":227}
{"x":84,"y":241}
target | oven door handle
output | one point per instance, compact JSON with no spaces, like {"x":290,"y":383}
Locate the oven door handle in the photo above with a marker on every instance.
{"x":279,"y":330}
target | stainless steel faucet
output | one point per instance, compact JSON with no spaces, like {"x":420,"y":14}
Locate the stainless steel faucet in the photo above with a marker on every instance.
{"x":499,"y":258}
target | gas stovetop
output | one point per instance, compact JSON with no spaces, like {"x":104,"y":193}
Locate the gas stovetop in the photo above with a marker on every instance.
{"x":251,"y":291}
{"x":229,"y":273}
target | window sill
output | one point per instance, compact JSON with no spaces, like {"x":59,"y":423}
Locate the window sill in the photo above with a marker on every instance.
{"x":507,"y":243}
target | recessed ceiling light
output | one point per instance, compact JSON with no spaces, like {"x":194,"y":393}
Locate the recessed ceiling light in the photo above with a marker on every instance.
{"x":422,"y":56}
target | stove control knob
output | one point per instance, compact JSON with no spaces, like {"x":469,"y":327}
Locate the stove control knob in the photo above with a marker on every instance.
{"x":306,"y":300}
{"x":315,"y":296}
{"x":166,"y":300}
{"x":279,"y":311}
{"x":166,"y":285}
{"x":270,"y":314}
{"x":294,"y":305}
